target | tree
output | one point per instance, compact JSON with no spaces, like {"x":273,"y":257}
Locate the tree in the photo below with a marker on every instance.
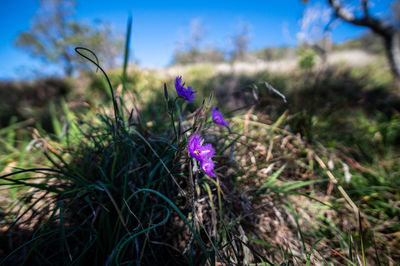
{"x":315,"y":26}
{"x":386,"y":29}
{"x":192,"y":50}
{"x":207,"y":55}
{"x":241,"y":41}
{"x":54,"y":34}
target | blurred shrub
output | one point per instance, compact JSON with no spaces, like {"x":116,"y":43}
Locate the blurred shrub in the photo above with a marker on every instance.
{"x":306,"y":58}
{"x":29,"y":99}
{"x":274,"y":53}
{"x":209,"y":55}
{"x":368,"y":42}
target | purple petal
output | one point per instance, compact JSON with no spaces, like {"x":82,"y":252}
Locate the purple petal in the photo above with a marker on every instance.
{"x":218,"y":118}
{"x":207,"y":151}
{"x":195,"y":146}
{"x":202,"y":153}
{"x":186,"y":93}
{"x":208,"y":166}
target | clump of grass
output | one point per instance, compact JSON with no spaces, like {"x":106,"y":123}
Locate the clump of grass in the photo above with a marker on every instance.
{"x":107,"y":200}
{"x":118,"y":193}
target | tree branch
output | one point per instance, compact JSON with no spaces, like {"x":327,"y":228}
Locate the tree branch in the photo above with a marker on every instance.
{"x":376,"y":25}
{"x":364,"y":4}
{"x":342,"y":12}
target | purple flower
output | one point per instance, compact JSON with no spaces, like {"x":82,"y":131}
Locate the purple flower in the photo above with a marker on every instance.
{"x":195,"y":146}
{"x":218,"y":118}
{"x":186,"y":93}
{"x":202,"y":153}
{"x":207,"y":151}
{"x":208,"y":166}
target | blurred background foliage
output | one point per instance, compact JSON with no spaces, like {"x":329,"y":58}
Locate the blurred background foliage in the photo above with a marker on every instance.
{"x":54,"y":34}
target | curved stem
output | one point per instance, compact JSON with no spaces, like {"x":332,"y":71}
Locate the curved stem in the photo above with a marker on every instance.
{"x":97,"y":64}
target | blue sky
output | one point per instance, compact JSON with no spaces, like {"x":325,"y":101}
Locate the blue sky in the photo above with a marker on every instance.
{"x":159,"y":25}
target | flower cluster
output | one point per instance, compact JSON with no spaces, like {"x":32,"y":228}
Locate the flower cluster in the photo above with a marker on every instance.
{"x":202,"y":152}
{"x":196,"y":147}
{"x":186,"y":93}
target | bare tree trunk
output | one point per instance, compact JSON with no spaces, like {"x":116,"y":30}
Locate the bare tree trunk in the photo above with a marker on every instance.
{"x":392,"y":46}
{"x":68,"y":68}
{"x":68,"y":71}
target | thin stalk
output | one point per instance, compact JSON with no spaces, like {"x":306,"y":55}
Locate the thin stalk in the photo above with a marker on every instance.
{"x":126,"y":54}
{"x":171,"y":114}
{"x":115,"y":104}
